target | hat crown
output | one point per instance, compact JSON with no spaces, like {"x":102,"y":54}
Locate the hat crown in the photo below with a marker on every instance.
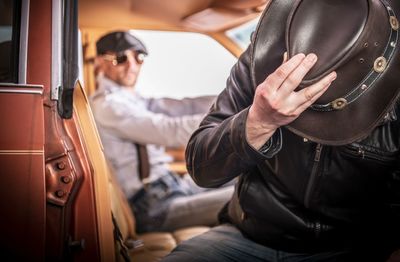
{"x":119,"y":41}
{"x":328,"y":28}
{"x":347,"y":36}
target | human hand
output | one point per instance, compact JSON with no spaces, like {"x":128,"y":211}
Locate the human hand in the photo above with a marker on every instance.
{"x":277,"y":104}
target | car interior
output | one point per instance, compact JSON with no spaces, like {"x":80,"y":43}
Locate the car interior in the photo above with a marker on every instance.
{"x":59,"y":197}
{"x":63,"y":202}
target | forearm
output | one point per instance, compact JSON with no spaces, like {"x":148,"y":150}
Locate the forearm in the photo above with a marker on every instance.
{"x":159,"y":129}
{"x":145,"y":127}
{"x":180,"y":107}
{"x":210,"y":155}
{"x":218,"y":153}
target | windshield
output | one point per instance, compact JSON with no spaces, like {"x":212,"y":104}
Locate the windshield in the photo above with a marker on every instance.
{"x":182,"y":64}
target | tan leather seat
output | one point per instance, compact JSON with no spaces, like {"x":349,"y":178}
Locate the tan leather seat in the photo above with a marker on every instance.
{"x":186,"y":233}
{"x":158,"y":245}
{"x":153,"y":246}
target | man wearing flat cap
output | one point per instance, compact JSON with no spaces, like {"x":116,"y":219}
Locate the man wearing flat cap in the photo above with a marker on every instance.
{"x":135,"y":131}
{"x":314,"y":141}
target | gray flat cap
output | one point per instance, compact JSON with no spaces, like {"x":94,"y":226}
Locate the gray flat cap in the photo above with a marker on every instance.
{"x":119,"y":41}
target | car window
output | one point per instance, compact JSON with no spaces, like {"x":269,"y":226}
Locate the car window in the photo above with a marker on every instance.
{"x":241,"y":34}
{"x":182,"y":64}
{"x":9,"y":40}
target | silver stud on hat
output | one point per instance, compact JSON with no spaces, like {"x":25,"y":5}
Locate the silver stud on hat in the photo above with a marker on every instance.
{"x":394,"y":23}
{"x":339,"y":103}
{"x":380,"y":64}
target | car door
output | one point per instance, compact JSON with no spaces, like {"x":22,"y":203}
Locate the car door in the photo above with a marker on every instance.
{"x":22,"y":176}
{"x":53,"y":205}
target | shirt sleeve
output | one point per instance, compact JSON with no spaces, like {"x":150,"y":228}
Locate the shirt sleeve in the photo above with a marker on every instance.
{"x":143,"y":126}
{"x":180,"y":107}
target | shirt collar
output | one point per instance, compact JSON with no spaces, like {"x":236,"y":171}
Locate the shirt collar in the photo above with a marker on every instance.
{"x":108,"y":86}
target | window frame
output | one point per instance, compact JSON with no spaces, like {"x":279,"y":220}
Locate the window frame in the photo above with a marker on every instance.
{"x":13,"y":63}
{"x":23,"y":41}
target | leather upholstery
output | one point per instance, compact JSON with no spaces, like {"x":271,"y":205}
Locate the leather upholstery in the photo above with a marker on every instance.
{"x":186,"y":233}
{"x":156,"y":245}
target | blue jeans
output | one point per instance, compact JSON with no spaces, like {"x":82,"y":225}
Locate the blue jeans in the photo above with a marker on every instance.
{"x":173,"y":202}
{"x":226,"y":243}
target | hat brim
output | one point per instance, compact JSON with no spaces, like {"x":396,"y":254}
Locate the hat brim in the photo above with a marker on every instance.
{"x":352,"y":123}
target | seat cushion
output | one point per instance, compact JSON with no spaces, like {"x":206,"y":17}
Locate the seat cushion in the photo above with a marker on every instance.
{"x":148,"y":256}
{"x":158,"y":245}
{"x":158,"y":241}
{"x":187,"y":233}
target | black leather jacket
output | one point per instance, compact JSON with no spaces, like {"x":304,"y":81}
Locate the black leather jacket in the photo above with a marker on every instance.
{"x":298,"y":195}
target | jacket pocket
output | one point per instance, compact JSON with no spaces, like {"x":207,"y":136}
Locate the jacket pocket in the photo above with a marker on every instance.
{"x":369,"y":153}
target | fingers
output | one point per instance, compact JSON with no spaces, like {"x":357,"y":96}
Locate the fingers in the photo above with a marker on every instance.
{"x":307,"y":96}
{"x":285,"y":57}
{"x":276,"y":79}
{"x":276,"y":97}
{"x":295,"y":78}
{"x":308,"y":103}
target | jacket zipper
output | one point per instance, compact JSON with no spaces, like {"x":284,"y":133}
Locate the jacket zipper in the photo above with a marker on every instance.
{"x":313,"y":175}
{"x":317,"y":229}
{"x":366,"y":155}
{"x":310,"y":186}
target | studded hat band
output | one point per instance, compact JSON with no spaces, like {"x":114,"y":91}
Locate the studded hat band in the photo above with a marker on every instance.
{"x":380,"y":65}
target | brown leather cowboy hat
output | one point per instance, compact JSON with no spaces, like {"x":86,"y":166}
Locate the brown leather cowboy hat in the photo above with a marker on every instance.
{"x":356,"y":38}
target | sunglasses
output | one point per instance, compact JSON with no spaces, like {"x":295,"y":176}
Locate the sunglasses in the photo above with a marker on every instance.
{"x":120,"y":59}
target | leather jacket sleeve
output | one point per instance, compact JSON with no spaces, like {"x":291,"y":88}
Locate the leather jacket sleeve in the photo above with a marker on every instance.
{"x":218,"y":151}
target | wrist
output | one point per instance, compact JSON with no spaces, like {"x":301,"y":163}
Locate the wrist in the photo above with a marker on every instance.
{"x":258,"y":132}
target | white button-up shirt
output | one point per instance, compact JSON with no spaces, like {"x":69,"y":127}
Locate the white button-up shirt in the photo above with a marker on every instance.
{"x":123,"y":118}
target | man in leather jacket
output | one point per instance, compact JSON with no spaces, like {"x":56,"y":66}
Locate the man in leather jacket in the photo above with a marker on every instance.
{"x":296,"y":200}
